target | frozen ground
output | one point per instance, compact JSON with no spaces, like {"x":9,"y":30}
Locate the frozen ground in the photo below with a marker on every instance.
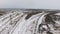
{"x":16,"y":23}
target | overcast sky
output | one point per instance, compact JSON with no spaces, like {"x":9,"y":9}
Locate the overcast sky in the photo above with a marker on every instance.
{"x":37,"y":4}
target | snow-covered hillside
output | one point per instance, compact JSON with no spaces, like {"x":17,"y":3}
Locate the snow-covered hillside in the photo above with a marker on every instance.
{"x":16,"y":23}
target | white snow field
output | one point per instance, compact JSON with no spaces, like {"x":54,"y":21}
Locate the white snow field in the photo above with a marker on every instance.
{"x":16,"y":23}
